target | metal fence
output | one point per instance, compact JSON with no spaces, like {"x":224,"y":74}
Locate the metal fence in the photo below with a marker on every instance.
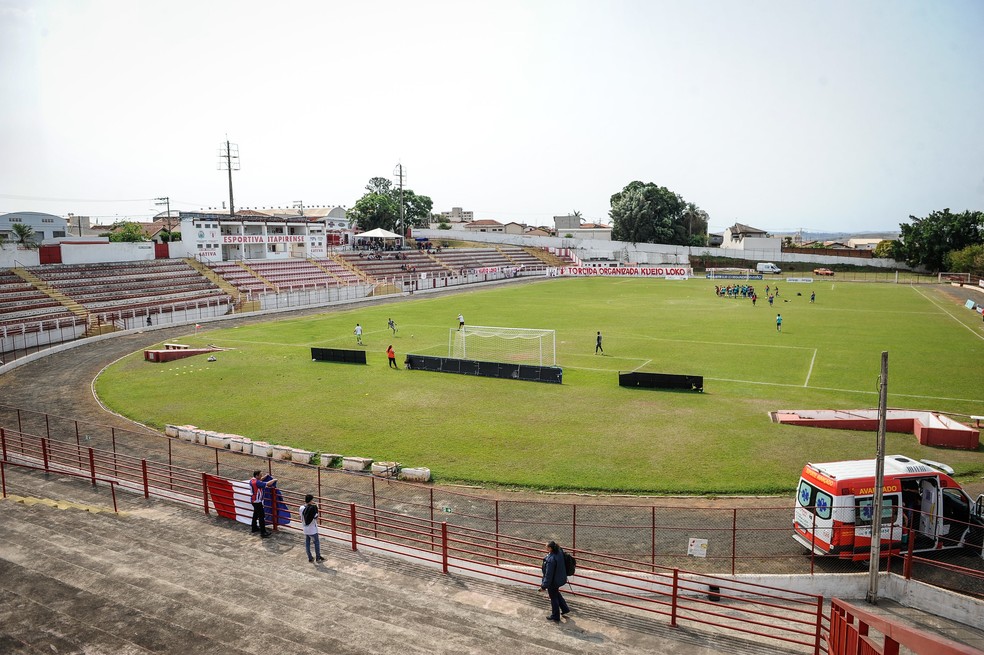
{"x":680,"y":597}
{"x":739,"y":539}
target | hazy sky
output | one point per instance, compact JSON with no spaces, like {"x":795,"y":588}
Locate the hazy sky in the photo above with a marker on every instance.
{"x":832,"y":115}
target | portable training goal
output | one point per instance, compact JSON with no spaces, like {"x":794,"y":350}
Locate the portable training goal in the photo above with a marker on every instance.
{"x":502,"y":344}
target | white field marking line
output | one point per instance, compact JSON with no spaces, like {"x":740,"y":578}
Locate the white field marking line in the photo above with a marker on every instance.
{"x":806,"y":383}
{"x":713,"y":343}
{"x":641,"y":365}
{"x":871,"y":393}
{"x":944,"y":310}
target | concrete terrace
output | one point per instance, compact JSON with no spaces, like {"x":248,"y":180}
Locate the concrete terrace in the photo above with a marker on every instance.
{"x":163,"y":578}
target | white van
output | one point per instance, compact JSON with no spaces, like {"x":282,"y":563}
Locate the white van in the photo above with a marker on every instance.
{"x":767,"y":267}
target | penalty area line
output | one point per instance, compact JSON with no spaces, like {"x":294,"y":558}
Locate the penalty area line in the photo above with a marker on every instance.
{"x":810,"y":372}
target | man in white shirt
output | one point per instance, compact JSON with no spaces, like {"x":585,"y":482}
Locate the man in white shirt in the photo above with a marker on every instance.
{"x":309,"y":519}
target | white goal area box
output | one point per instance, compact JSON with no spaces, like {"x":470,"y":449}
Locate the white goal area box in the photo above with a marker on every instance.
{"x":503,"y":344}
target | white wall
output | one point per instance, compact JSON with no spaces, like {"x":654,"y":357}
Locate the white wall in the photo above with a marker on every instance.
{"x":655,"y":253}
{"x":12,"y":256}
{"x":106,"y":252}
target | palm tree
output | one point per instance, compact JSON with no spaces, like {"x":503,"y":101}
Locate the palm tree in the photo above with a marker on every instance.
{"x":24,"y":234}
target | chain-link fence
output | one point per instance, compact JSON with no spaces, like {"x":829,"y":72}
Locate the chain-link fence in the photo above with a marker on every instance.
{"x":677,"y":532}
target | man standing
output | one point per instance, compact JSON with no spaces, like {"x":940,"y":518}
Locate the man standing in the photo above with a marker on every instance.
{"x":392,"y":326}
{"x":257,"y":486}
{"x":309,"y":515}
{"x":554,"y":577}
{"x":358,"y":334}
{"x":598,"y":344}
{"x":391,"y":356}
{"x":778,"y":322}
{"x":813,"y":296}
{"x":461,"y":321}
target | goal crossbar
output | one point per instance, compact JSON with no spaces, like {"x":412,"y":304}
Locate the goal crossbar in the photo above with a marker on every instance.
{"x":502,"y":344}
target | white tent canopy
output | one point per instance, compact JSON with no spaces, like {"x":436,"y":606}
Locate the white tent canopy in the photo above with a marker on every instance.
{"x":378,"y":233}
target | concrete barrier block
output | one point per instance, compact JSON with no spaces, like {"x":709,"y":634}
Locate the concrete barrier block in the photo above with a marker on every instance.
{"x":282,"y":453}
{"x":356,"y":463}
{"x":418,"y":474}
{"x":385,"y":469}
{"x":300,"y":455}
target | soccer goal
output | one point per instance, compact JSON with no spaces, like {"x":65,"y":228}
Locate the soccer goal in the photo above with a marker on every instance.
{"x":502,"y":344}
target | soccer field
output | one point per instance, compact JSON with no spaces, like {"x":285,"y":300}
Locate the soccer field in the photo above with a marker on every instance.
{"x":587,"y":433}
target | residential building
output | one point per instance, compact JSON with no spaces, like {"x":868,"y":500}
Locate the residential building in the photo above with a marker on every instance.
{"x":458,"y":215}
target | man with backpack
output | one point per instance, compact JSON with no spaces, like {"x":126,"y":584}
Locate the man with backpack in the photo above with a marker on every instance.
{"x":309,"y":516}
{"x":554,"y":577}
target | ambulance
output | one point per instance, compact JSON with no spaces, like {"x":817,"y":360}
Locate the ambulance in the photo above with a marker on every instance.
{"x":834,"y":509}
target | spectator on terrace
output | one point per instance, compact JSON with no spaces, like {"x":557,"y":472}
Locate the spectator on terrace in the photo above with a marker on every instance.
{"x":309,"y":518}
{"x":257,"y":486}
{"x":554,"y":577}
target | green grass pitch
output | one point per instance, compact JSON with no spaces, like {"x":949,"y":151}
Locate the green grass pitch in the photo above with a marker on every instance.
{"x":588,"y":433}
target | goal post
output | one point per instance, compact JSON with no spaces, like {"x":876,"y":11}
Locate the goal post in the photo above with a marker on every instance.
{"x":502,"y":344}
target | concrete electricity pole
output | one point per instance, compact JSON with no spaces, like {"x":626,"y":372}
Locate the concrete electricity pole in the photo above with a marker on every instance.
{"x":166,"y":200}
{"x":229,"y":161}
{"x":398,"y":171}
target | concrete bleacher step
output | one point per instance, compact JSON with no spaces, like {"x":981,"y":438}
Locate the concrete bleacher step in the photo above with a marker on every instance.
{"x":167,"y":578}
{"x":49,"y":291}
{"x":200,"y":581}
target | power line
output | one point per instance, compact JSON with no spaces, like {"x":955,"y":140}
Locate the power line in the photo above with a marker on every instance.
{"x":9,"y":196}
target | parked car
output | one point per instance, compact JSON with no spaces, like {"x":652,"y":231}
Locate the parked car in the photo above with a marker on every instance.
{"x":822,"y":271}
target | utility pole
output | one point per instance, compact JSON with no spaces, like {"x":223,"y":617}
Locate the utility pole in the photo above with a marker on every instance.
{"x":299,"y":205}
{"x":398,"y":171}
{"x":229,"y":161}
{"x":166,"y":200}
{"x":877,"y":498}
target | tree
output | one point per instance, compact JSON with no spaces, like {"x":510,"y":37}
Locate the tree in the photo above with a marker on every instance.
{"x":127,"y":232}
{"x":966,"y":260}
{"x":380,"y":207}
{"x":696,"y":220}
{"x":926,"y":241}
{"x":375,"y":210}
{"x":885,"y":249}
{"x":25,"y":235}
{"x":647,"y":213}
{"x":416,"y":209}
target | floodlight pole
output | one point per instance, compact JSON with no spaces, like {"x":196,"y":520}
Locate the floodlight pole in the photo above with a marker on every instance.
{"x":876,"y":501}
{"x":229,"y":161}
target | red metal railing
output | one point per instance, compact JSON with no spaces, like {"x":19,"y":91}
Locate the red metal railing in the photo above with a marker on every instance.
{"x":856,"y":631}
{"x":683,"y":596}
{"x":3,"y":478}
{"x":354,"y":515}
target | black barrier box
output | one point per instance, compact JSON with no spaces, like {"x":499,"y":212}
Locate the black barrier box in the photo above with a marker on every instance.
{"x":661,"y":381}
{"x":553,"y":374}
{"x":337,"y":355}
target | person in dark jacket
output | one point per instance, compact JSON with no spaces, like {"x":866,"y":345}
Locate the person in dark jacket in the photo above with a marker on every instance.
{"x":554,"y":577}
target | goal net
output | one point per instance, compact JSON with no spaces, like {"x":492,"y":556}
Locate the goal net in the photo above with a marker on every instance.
{"x":502,"y":344}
